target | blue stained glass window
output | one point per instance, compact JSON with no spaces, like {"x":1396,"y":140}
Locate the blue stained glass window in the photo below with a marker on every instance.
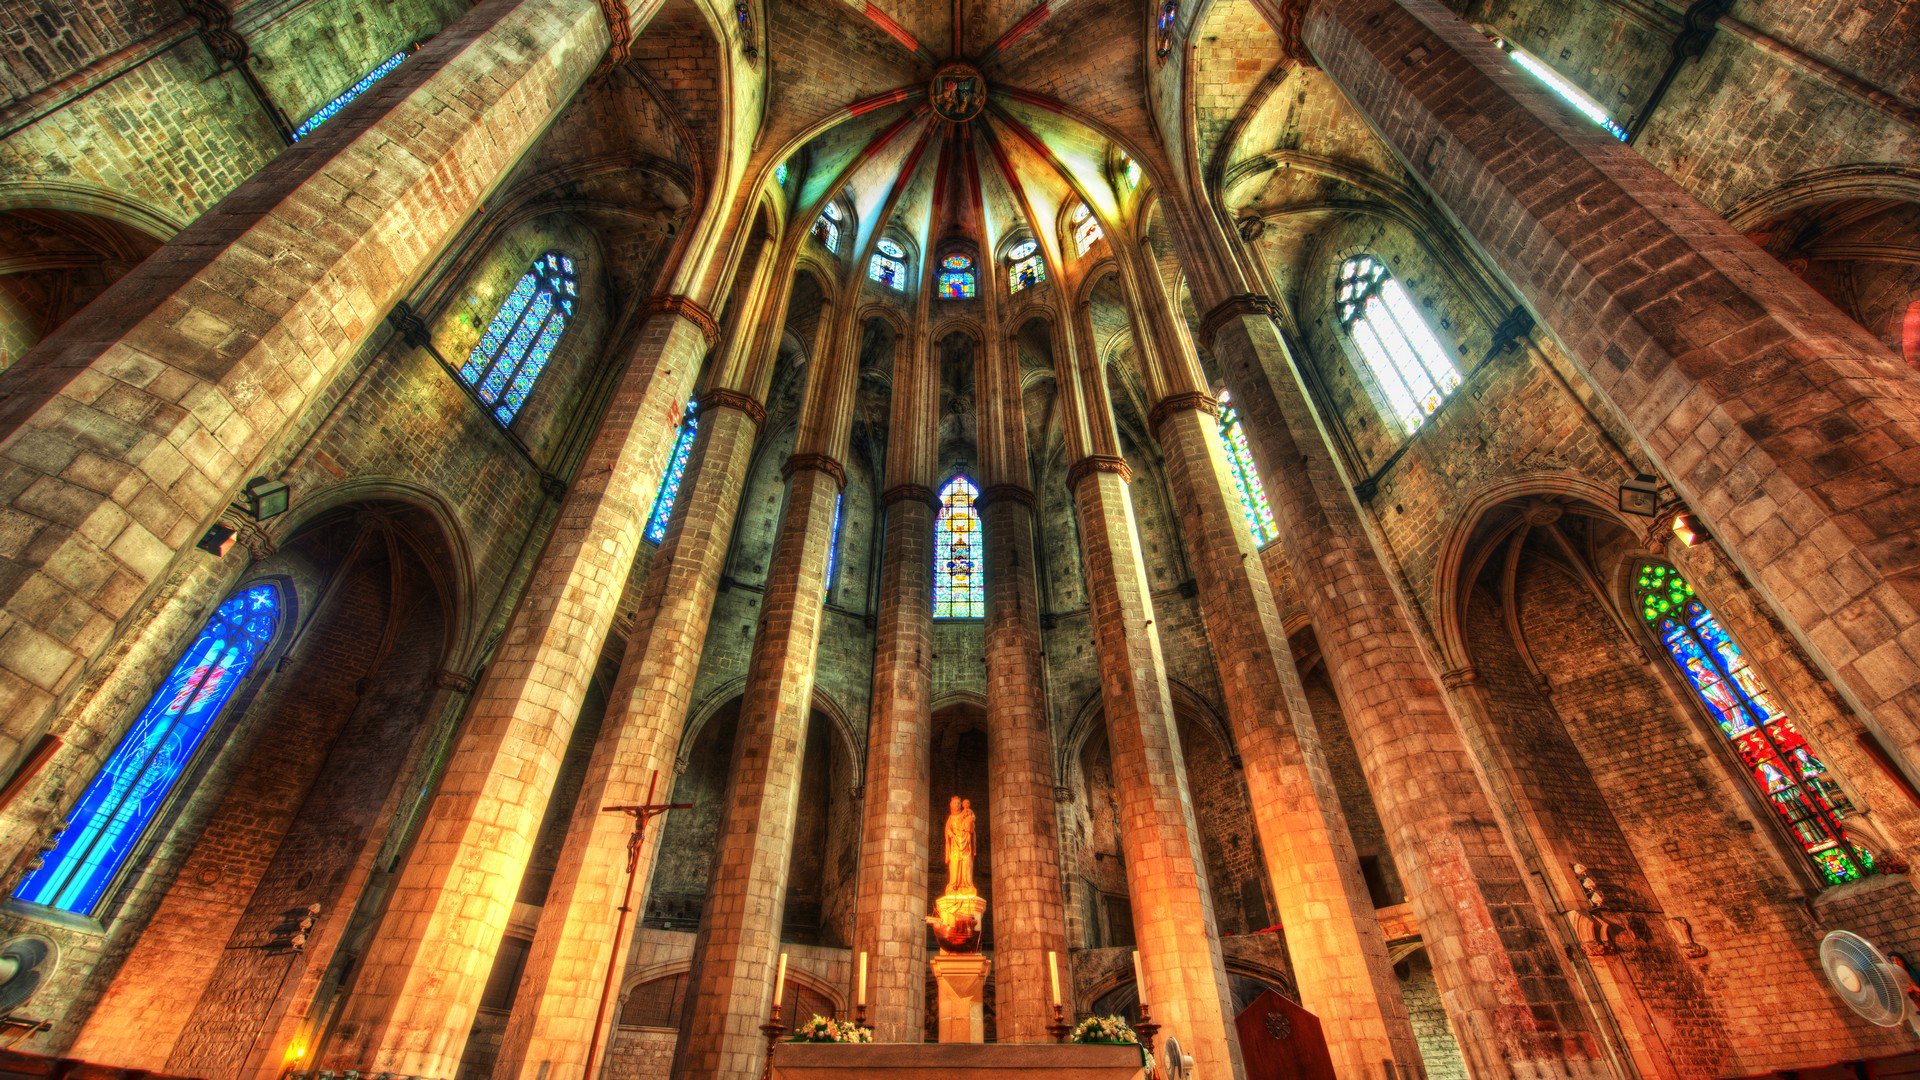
{"x":332,"y":108}
{"x":120,"y":805}
{"x":1406,"y":359}
{"x":956,"y":278}
{"x":1246,"y":479}
{"x":780,"y":174}
{"x":669,"y":491}
{"x":1024,"y":267}
{"x":517,"y":344}
{"x":959,"y":554}
{"x":1777,"y":757}
{"x":1568,"y":92}
{"x":833,"y":541}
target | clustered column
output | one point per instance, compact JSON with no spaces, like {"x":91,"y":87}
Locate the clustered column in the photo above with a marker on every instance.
{"x":417,"y":990}
{"x":892,"y":899}
{"x":1029,"y":913}
{"x":1186,"y":980}
{"x":1499,"y":975}
{"x":559,"y":999}
{"x":730,"y":987}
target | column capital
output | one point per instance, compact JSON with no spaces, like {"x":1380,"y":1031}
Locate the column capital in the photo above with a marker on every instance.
{"x":454,"y":681}
{"x":1019,"y":493}
{"x":1181,"y":402}
{"x":1098,"y":463}
{"x":1466,"y":675}
{"x":675,"y":304}
{"x":823,"y":462}
{"x":916,"y":492}
{"x":722,"y":398}
{"x":1234,"y":307}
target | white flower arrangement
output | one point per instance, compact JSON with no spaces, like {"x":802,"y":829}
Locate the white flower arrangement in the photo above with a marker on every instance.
{"x":1111,"y":1031}
{"x":825,"y":1029}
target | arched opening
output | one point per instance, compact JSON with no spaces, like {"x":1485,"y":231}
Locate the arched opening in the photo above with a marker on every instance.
{"x":1862,"y":254}
{"x":52,"y":264}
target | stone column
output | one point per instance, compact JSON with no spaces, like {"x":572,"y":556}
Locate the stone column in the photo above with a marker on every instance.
{"x":1339,"y":955}
{"x":413,"y":1001}
{"x":126,"y":432}
{"x":1029,"y":915}
{"x":1166,"y":874}
{"x":1500,"y":977}
{"x":566,"y":971}
{"x":893,"y":846}
{"x":1782,"y":422}
{"x":731,"y":986}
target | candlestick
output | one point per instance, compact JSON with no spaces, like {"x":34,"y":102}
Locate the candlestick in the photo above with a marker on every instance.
{"x":1139,"y":979}
{"x":1059,"y":1029}
{"x":860,"y":997}
{"x":1146,"y":1029}
{"x":1053,"y":975}
{"x":773,"y":1029}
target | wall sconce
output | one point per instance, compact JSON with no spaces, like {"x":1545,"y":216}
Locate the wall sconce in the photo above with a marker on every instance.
{"x":1641,"y":496}
{"x":263,"y":499}
{"x":1645,"y":496}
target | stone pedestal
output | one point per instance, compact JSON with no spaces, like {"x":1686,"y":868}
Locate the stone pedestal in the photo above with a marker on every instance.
{"x":962,"y":979}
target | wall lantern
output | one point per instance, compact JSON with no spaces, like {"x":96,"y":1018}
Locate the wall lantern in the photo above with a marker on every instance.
{"x":261,"y":500}
{"x":1640,"y":496}
{"x":265,"y":499}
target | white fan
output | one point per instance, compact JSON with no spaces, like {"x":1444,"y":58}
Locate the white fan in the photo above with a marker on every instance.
{"x":1877,"y":988}
{"x":1179,"y":1062}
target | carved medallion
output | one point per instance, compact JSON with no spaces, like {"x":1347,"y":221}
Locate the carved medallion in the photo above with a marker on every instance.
{"x":1279,"y":1026}
{"x":958,"y":92}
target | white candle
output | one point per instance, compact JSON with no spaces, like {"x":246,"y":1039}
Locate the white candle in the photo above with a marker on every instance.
{"x":1139,"y":977}
{"x":780,"y":981}
{"x":1053,"y":974}
{"x":860,"y":997}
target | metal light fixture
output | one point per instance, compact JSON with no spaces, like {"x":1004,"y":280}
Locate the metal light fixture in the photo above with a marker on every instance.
{"x":217,"y":541}
{"x":263,"y":499}
{"x":1640,"y":496}
{"x":1687,"y":526}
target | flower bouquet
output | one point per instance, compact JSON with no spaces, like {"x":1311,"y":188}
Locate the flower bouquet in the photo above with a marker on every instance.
{"x":825,"y":1029}
{"x":1111,"y":1031}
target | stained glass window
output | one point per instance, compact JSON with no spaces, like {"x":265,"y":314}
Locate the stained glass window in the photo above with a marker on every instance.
{"x":1777,"y":758}
{"x":1246,"y":480}
{"x":669,"y":490}
{"x":119,"y":806}
{"x":780,"y":174}
{"x":1169,"y":15}
{"x":833,"y":541}
{"x":1406,"y":359}
{"x":959,"y":550}
{"x":332,"y":108}
{"x":888,"y":265}
{"x":1568,"y":92}
{"x":519,"y":341}
{"x":1086,"y":229}
{"x":826,"y":227}
{"x":956,"y":278}
{"x":1024,"y":266}
{"x":1130,"y":170}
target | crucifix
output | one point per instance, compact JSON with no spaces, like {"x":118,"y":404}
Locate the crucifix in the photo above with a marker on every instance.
{"x":641,"y":815}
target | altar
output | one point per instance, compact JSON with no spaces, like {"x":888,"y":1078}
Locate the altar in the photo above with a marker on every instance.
{"x":955,"y":1061}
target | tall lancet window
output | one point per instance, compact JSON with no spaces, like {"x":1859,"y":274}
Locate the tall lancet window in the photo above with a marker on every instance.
{"x":1246,"y":480}
{"x":833,"y":541}
{"x":1566,"y":91}
{"x":332,"y":108}
{"x":119,"y":807}
{"x":669,"y":491}
{"x":1776,"y":757}
{"x":1404,"y":356}
{"x":959,"y":552}
{"x":519,"y":341}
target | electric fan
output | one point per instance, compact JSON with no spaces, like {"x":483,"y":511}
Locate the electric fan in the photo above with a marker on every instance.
{"x":1877,"y":988}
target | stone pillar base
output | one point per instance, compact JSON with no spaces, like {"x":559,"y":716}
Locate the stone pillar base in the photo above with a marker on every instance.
{"x":962,"y":979}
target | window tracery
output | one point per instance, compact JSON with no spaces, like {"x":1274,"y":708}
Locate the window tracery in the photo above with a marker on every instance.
{"x":119,"y":806}
{"x":1404,"y":356}
{"x":669,"y":490}
{"x":1024,"y":266}
{"x":332,"y":108}
{"x":959,"y":589}
{"x":520,"y":339}
{"x":956,"y":278}
{"x":888,"y":265}
{"x":1775,"y":755}
{"x":1086,"y":228}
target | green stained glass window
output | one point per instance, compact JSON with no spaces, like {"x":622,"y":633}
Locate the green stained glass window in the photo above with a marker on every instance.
{"x":1246,"y":479}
